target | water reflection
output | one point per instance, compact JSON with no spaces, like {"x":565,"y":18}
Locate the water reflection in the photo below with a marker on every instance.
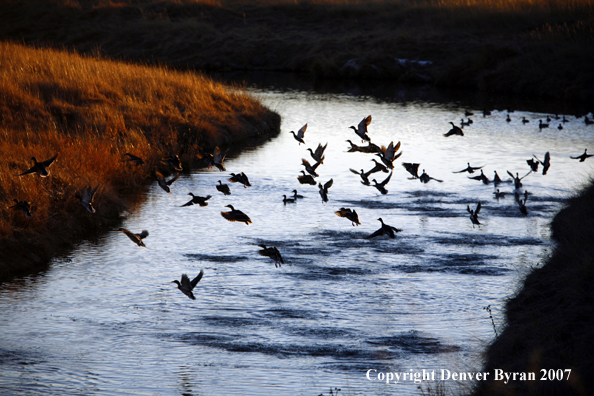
{"x":110,"y":322}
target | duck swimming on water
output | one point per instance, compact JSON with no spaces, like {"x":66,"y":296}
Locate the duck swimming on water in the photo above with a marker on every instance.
{"x":297,"y":196}
{"x":136,"y":238}
{"x":385,"y":229}
{"x":306,"y":179}
{"x":288,"y":200}
{"x":236,"y":215}
{"x":40,"y":167}
{"x":349,"y":214}
{"x":499,"y":194}
{"x":186,"y":286}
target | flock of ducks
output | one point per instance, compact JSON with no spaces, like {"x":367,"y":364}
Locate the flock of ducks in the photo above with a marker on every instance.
{"x":384,"y":158}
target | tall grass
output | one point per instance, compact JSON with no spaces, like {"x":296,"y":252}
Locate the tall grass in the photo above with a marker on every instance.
{"x":91,"y":111}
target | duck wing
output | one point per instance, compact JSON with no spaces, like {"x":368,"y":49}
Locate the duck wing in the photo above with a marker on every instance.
{"x":301,"y":131}
{"x":377,"y":233}
{"x":48,"y":162}
{"x":196,"y":279}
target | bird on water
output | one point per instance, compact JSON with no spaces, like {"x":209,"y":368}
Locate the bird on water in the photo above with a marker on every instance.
{"x":474,"y":215}
{"x":456,"y":130}
{"x":273,"y":253}
{"x":385,"y":229}
{"x":197,"y":200}
{"x":306,"y":179}
{"x":297,"y":196}
{"x":186,"y":287}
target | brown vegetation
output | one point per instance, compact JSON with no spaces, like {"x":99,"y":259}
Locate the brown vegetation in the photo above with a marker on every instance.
{"x":526,"y":47}
{"x":91,"y":112}
{"x":550,"y":323}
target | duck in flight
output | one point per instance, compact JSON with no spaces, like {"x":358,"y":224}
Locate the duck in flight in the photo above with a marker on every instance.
{"x":349,"y":214}
{"x":318,"y":155}
{"x":174,"y":162}
{"x":236,"y":215}
{"x":186,"y":287}
{"x":517,"y":179}
{"x":522,"y":203}
{"x":134,"y":159}
{"x":496,"y":179}
{"x":87,"y":197}
{"x":381,"y":187}
{"x":546,"y":164}
{"x":41,"y":168}
{"x":218,"y":158}
{"x":470,"y":169}
{"x":370,"y":148}
{"x":136,"y":238}
{"x":23,"y":206}
{"x":300,"y":134}
{"x":311,"y":169}
{"x":361,"y":129}
{"x":224,"y":188}
{"x":456,"y":130}
{"x":324,"y":189}
{"x":388,"y":154}
{"x":240,"y":178}
{"x":413,"y":169}
{"x":482,"y":177}
{"x":583,"y":157}
{"x":364,"y":176}
{"x":474,"y":215}
{"x":533,"y":164}
{"x":197,"y":200}
{"x":385,"y":229}
{"x":273,"y":253}
{"x":163,"y":183}
{"x":425,"y":178}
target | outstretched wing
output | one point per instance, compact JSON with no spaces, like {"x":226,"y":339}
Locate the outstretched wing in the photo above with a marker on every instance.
{"x":301,"y":131}
{"x":329,"y":183}
{"x":197,"y":279}
{"x":170,"y":182}
{"x":48,"y":162}
{"x":478,"y":209}
{"x":386,"y":180}
{"x":185,"y":282}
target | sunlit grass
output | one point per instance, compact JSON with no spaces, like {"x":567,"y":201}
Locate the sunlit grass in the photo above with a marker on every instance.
{"x":91,"y":112}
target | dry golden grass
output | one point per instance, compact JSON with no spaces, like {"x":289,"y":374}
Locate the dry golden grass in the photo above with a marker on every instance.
{"x":91,"y":112}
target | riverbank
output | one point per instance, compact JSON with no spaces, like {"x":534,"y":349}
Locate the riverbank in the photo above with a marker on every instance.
{"x":550,"y":323}
{"x":520,"y":47}
{"x":90,"y":112}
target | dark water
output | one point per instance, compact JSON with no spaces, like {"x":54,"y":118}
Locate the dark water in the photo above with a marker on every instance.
{"x":108,"y":321}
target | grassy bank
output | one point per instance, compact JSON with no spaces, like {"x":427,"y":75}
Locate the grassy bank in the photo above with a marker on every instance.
{"x":90,"y":112}
{"x":524,"y":47}
{"x":550,"y":323}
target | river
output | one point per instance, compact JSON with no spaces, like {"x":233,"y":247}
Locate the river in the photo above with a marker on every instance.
{"x":106,"y":319}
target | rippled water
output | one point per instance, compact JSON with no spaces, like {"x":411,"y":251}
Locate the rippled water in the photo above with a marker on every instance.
{"x":107,"y":320}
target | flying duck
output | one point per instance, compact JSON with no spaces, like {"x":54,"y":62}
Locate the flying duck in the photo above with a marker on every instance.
{"x":583,"y":157}
{"x":186,"y":286}
{"x":456,"y":130}
{"x":218,"y":158}
{"x":378,"y":167}
{"x":546,"y":164}
{"x":381,"y":187}
{"x":533,"y":164}
{"x":324,"y":189}
{"x":364,"y":176}
{"x":385,"y":229}
{"x":388,"y":155}
{"x":318,"y":155}
{"x":470,"y":169}
{"x":134,"y":159}
{"x":23,"y":206}
{"x":136,"y":238}
{"x":86,"y":199}
{"x":240,"y":178}
{"x":496,"y":178}
{"x":518,"y":179}
{"x":361,"y":129}
{"x":522,"y":203}
{"x":482,"y":177}
{"x":306,"y":179}
{"x":370,"y":148}
{"x":236,"y":215}
{"x":300,"y":134}
{"x":197,"y":200}
{"x":349,"y":214}
{"x":311,"y":169}
{"x":425,"y":178}
{"x":174,"y":162}
{"x":40,"y":167}
{"x":224,"y":188}
{"x":273,"y":253}
{"x":474,"y":214}
{"x":163,"y":183}
{"x":413,"y":169}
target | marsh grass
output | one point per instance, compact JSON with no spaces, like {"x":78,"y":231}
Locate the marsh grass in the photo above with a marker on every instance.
{"x":91,"y":111}
{"x":526,"y":47}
